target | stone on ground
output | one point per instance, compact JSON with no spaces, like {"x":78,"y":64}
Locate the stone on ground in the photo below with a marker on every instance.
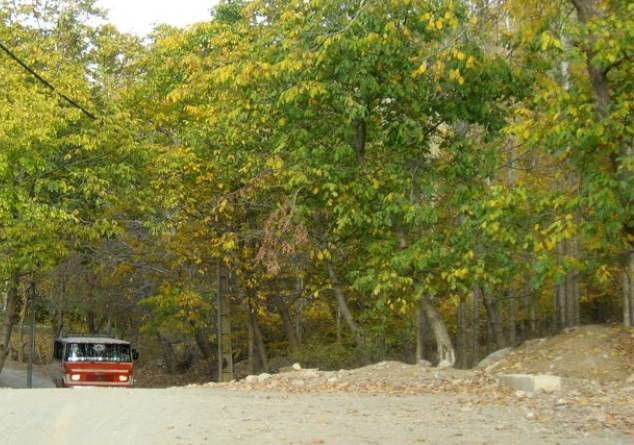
{"x":444,"y":364}
{"x":251,"y":379}
{"x":494,"y":358}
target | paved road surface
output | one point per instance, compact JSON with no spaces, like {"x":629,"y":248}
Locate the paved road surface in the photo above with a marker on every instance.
{"x":14,"y":376}
{"x":181,"y":416}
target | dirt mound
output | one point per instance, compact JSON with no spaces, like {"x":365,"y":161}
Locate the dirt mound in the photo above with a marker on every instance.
{"x":380,"y":378}
{"x":601,"y":353}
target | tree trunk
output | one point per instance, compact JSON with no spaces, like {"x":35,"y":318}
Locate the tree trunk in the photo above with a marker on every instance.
{"x":9,"y":317}
{"x":494,"y":321}
{"x":562,"y":313}
{"x":32,"y":333}
{"x":586,"y":12}
{"x":574,"y":297}
{"x":251,"y":366}
{"x":299,"y":309}
{"x":58,"y":318}
{"x":533,"y":314}
{"x":338,"y":323}
{"x":568,"y":248}
{"x":91,"y":322}
{"x":225,"y":351}
{"x":446,"y":353}
{"x":554,"y":322}
{"x":528,"y":310}
{"x":289,"y":326}
{"x":342,"y":303}
{"x":475,"y":323}
{"x":576,"y":290}
{"x":360,"y":138}
{"x":462,"y":334}
{"x":259,"y":342}
{"x":21,"y":333}
{"x":420,"y":332}
{"x":58,"y":323}
{"x":522,"y":323}
{"x":572,"y":286}
{"x":510,"y":179}
{"x":204,"y":345}
{"x":628,"y":292}
{"x":512,"y":322}
{"x":169,"y":355}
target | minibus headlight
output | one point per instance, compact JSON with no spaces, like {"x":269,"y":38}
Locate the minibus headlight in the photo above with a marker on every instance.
{"x":75,"y":377}
{"x":123,"y":378}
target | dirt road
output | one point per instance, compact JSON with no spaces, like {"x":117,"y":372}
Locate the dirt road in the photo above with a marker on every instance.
{"x":216,"y":416}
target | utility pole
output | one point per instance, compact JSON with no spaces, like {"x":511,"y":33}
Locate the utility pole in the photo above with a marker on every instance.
{"x":29,"y":373}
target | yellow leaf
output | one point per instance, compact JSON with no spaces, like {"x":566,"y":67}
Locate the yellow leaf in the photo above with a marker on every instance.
{"x":421,"y":70}
{"x":454,"y":74}
{"x":229,"y":244}
{"x":439,"y":67}
{"x":275,"y":163}
{"x":457,"y":54}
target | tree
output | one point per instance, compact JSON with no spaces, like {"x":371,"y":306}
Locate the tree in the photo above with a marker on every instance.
{"x":61,"y":170}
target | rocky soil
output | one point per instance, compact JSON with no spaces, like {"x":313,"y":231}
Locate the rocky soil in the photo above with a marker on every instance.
{"x":596,"y":363}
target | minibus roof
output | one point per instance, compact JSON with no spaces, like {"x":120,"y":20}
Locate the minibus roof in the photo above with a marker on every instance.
{"x":93,"y":339}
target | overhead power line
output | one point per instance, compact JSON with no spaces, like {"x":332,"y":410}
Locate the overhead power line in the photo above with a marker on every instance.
{"x":44,"y":82}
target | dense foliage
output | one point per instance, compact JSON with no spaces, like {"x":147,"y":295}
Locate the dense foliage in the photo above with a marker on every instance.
{"x":355,"y":179}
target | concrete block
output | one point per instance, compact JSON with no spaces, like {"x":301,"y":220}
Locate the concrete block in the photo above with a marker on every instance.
{"x":531,"y":382}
